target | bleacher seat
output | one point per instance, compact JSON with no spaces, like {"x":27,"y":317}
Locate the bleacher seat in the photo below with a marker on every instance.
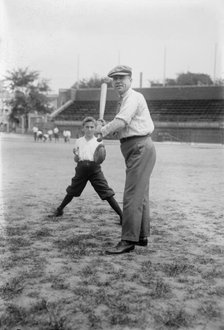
{"x":161,"y":110}
{"x":187,"y":110}
{"x":80,"y":109}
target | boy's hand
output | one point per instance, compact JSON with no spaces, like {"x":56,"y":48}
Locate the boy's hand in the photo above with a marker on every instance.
{"x":76,"y":158}
{"x":76,"y":151}
{"x":99,"y":154}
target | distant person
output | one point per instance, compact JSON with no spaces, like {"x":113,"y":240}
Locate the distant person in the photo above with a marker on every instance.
{"x":56,"y":134}
{"x":35,"y":130}
{"x":45,"y":137}
{"x":39,"y":135}
{"x":50,"y":134}
{"x":66,"y":135}
{"x":88,"y":170}
{"x":134,"y":127}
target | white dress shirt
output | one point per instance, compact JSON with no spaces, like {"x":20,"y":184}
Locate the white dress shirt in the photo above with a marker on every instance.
{"x":133,"y":118}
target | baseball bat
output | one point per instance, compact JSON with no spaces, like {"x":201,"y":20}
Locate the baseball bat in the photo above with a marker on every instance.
{"x":103,"y":96}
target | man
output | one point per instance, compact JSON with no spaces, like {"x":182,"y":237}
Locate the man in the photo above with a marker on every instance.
{"x":56,"y":134}
{"x":35,"y":130}
{"x":50,"y":134}
{"x":134,"y":127}
{"x":66,"y":135}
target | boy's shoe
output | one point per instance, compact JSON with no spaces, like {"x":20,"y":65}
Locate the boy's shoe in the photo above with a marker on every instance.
{"x":57,"y":213}
{"x":142,"y":241}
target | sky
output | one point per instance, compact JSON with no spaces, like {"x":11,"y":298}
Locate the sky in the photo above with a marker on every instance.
{"x":68,"y":40}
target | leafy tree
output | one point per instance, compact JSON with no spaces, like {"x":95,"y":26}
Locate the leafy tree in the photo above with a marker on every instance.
{"x":29,"y":94}
{"x":190,"y":78}
{"x":93,"y":82}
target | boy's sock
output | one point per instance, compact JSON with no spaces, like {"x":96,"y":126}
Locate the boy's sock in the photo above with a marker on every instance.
{"x":65,"y":201}
{"x":115,"y":206}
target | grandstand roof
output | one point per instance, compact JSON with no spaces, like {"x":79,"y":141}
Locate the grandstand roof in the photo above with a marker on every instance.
{"x":159,"y":93}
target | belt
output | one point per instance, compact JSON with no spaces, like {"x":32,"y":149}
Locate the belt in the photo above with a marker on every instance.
{"x":133,"y":137}
{"x":86,"y":162}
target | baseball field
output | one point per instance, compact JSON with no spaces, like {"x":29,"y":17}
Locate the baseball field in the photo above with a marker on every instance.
{"x":54,"y":274}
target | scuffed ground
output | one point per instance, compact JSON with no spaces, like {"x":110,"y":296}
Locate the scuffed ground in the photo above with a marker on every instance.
{"x":54,"y":273}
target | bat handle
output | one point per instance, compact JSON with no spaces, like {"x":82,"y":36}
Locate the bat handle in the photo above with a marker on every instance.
{"x":99,"y":137}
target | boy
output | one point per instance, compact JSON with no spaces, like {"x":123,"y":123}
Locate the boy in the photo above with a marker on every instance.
{"x":87,"y":170}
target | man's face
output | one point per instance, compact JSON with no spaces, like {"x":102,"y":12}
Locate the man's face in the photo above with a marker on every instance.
{"x":121,"y":83}
{"x":89,"y":129}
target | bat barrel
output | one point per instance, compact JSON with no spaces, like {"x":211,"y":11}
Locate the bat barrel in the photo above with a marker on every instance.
{"x":103,"y":96}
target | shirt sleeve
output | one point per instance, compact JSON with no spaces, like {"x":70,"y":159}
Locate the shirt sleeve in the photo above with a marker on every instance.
{"x":115,"y":125}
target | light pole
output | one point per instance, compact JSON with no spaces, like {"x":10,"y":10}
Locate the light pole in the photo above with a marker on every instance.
{"x":164,"y":67}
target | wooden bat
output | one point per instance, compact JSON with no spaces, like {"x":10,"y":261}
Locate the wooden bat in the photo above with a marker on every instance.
{"x":103,"y":97}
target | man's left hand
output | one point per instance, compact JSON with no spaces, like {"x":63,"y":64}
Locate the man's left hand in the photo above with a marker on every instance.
{"x":101,"y":122}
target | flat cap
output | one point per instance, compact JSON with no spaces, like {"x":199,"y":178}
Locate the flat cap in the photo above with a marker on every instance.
{"x":120,"y":70}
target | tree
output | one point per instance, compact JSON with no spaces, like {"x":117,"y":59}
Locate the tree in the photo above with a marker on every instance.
{"x":190,"y":78}
{"x":29,"y":94}
{"x":187,"y":79}
{"x":93,"y":82}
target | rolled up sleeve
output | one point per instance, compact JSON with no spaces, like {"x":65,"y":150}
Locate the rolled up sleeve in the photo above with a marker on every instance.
{"x":115,"y":125}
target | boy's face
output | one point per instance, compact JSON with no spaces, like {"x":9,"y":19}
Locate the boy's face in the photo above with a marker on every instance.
{"x":89,"y":129}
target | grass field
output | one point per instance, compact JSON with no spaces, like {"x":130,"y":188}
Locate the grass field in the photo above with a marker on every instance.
{"x":54,"y":274}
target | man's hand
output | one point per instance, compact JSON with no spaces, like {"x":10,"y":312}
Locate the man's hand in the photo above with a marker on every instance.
{"x":99,"y":134}
{"x":101,"y":122}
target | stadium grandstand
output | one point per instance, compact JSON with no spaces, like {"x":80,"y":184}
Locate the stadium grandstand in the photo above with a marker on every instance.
{"x":180,"y":113}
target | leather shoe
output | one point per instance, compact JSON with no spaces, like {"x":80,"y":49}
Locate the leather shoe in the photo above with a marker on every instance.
{"x":121,"y":247}
{"x":142,"y":241}
{"x":57,"y":213}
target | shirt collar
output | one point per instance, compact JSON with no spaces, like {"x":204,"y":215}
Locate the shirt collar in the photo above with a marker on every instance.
{"x":128,"y":92}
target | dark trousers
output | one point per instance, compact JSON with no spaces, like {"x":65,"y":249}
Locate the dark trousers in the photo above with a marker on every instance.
{"x":89,"y":171}
{"x":140,"y":158}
